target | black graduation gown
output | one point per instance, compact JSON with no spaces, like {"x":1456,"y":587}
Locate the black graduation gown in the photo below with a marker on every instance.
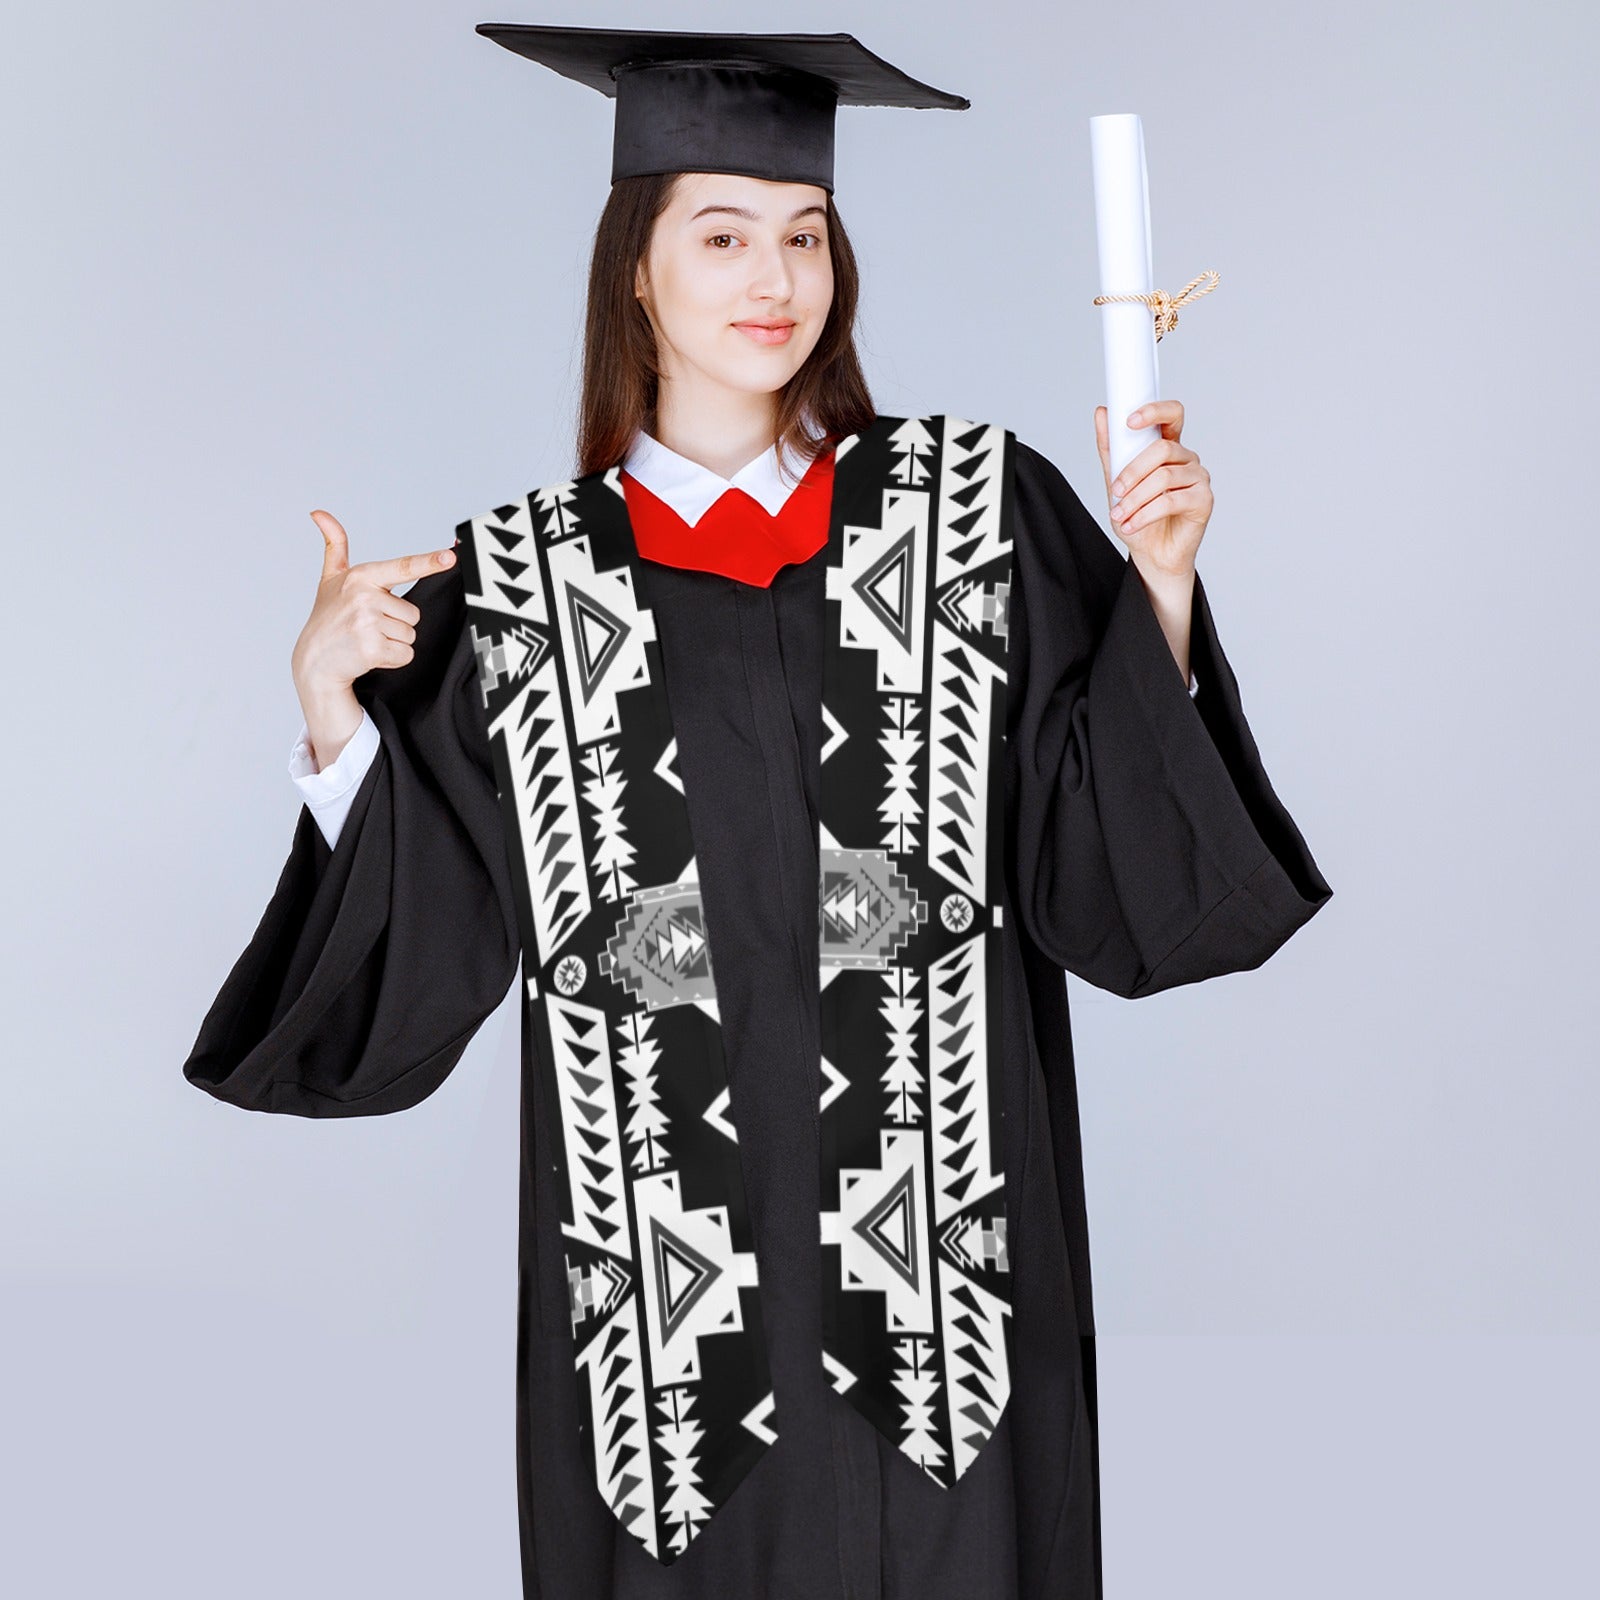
{"x":1145,"y":849}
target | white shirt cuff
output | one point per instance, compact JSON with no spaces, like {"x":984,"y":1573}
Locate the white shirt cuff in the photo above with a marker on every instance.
{"x":330,"y":792}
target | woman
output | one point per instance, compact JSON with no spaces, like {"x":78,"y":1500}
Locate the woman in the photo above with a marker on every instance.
{"x":805,"y":1300}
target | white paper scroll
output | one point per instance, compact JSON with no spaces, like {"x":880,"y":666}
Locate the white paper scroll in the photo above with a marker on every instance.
{"x":1122,"y":228}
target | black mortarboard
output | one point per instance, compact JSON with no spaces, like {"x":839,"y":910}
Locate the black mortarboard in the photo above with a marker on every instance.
{"x":760,"y":104}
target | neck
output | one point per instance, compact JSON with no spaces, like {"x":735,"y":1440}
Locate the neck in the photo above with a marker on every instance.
{"x":722,"y":429}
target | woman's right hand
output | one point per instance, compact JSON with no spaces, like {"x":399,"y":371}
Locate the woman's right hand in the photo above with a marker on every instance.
{"x":356,"y":624}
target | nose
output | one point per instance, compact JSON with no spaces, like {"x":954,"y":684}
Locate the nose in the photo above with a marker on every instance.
{"x":771,"y":276}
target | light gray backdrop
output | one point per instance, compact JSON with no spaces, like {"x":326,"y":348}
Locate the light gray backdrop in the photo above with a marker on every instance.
{"x":259,"y":260}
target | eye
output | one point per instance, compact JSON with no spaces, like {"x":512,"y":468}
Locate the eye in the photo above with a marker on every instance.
{"x":815,"y":236}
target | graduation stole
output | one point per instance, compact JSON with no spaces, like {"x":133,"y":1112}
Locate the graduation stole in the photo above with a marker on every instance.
{"x":675,"y":1395}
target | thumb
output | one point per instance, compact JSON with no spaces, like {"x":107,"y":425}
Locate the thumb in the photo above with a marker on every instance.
{"x":336,"y":547}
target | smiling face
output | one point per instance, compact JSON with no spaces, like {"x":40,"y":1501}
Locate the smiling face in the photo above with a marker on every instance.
{"x":731,"y":251}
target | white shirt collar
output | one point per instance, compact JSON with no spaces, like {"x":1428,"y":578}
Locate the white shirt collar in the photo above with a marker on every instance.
{"x":691,"y":489}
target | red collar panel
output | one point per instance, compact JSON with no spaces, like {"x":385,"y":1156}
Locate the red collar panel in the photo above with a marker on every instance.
{"x":737,"y":536}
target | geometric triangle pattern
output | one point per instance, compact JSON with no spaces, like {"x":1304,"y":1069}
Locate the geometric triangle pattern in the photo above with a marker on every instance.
{"x":674,"y":1390}
{"x":916,"y":1280}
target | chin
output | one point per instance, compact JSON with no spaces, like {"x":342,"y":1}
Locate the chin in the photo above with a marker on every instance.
{"x":758,"y":379}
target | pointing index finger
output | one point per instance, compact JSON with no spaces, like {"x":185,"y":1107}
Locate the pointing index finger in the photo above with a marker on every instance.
{"x":402,"y":569}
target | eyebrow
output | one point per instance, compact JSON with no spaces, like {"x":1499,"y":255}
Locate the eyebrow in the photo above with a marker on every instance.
{"x":755,"y":216}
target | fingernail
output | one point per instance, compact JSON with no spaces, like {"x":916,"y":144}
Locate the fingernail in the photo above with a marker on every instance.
{"x":446,"y":557}
{"x":1134,"y":417}
{"x":1116,"y":500}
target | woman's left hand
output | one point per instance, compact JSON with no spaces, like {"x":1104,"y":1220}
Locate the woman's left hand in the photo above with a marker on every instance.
{"x":1163,"y":495}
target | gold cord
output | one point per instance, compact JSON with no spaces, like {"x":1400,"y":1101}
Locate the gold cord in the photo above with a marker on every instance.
{"x":1163,"y":304}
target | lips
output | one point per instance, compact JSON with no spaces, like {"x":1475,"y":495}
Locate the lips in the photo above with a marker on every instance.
{"x":766,"y":332}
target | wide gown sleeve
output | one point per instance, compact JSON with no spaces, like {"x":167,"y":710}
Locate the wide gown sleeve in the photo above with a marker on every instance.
{"x":377,"y":959}
{"x":1147,"y":846}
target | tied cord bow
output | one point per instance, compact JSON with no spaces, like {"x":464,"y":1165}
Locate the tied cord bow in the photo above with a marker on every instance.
{"x":1163,"y":304}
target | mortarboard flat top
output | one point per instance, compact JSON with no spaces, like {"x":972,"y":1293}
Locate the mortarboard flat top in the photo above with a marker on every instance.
{"x":761,"y":104}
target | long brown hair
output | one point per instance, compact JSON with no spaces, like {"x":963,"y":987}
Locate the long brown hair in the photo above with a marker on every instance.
{"x":620,"y":375}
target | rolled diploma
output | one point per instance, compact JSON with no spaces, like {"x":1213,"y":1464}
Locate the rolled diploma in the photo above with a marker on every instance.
{"x":1122,"y":229}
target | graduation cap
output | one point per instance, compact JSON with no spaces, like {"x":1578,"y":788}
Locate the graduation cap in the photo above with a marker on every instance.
{"x":761,"y":104}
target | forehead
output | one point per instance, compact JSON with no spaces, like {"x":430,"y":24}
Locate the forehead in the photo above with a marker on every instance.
{"x":763,"y":199}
